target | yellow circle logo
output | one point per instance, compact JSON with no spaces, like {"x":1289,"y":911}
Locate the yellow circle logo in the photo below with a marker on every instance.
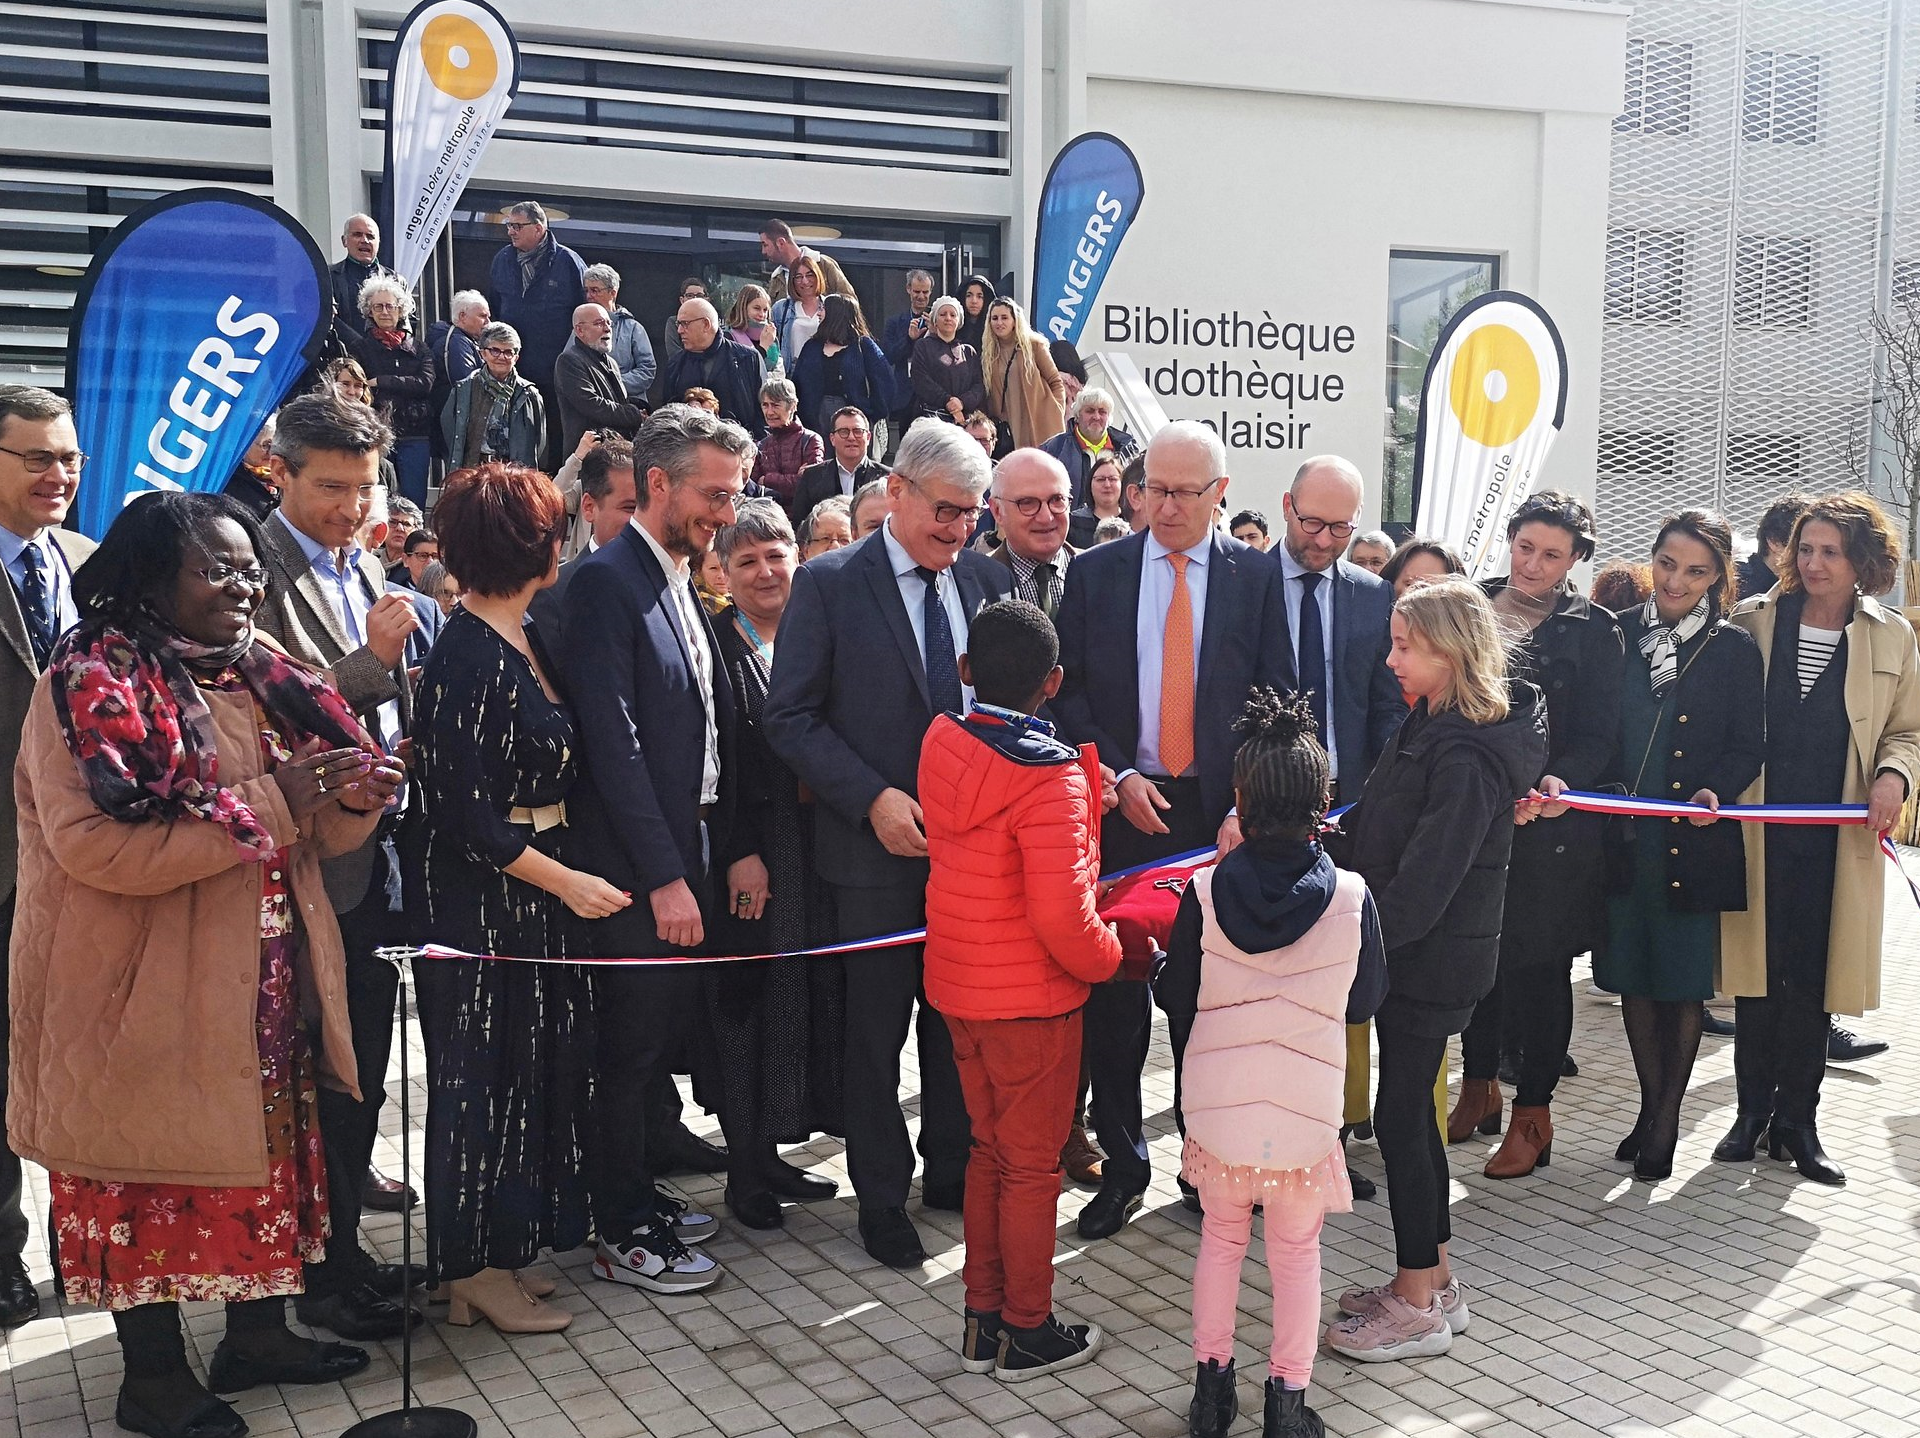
{"x":459,"y":57}
{"x":1495,"y":388}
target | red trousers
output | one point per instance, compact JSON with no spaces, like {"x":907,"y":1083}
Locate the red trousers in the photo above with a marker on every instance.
{"x":1020,"y":1077}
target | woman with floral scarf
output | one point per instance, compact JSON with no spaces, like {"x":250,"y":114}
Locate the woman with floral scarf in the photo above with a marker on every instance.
{"x":178,"y":979}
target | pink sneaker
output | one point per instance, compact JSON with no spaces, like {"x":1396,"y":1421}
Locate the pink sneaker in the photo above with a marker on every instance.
{"x":1358,"y":1302}
{"x":1394,"y":1329}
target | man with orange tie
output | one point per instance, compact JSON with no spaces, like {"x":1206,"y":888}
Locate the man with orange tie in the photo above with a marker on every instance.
{"x":1161,"y":636}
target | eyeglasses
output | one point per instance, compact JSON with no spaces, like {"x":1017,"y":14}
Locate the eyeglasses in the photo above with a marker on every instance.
{"x":1322,"y":526}
{"x":850,"y":434}
{"x":689,"y":324}
{"x":521,"y":224}
{"x":39,"y":461}
{"x":499,"y":353}
{"x":719,"y":499}
{"x":944,"y":513}
{"x":1030,"y":505}
{"x":1162,"y":495}
{"x":221,"y":575}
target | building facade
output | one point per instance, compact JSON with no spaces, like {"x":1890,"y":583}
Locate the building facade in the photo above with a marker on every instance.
{"x":1765,"y":201}
{"x":1347,"y":172}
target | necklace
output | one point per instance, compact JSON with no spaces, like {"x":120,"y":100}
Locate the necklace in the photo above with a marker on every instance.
{"x":752,"y":635}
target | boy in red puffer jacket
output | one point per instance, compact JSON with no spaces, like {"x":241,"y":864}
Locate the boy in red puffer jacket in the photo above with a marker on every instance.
{"x":1013,"y":822}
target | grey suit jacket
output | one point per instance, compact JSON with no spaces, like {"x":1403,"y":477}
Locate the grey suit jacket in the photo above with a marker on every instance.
{"x":18,"y":674}
{"x":299,"y":616}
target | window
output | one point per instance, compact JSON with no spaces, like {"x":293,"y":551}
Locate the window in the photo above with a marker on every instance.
{"x":1775,"y":458}
{"x":1638,"y":454}
{"x":1645,"y":276}
{"x":1780,"y":98}
{"x":1425,"y":289}
{"x":1659,"y":89}
{"x":1772,"y":282}
{"x":1906,"y":282}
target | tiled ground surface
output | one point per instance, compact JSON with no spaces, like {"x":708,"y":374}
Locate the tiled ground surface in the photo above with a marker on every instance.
{"x":1726,"y":1301}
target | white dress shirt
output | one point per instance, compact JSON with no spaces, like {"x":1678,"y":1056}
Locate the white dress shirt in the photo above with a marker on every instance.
{"x":913,"y":594}
{"x":346,"y":585}
{"x":1323,"y":596}
{"x":848,"y":482}
{"x":680,"y":587}
{"x":1150,"y":627}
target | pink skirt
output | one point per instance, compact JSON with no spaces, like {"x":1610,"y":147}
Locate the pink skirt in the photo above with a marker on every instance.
{"x":1323,"y":1186}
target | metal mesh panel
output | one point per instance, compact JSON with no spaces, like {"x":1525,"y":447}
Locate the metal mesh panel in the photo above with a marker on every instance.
{"x":1756,"y":130}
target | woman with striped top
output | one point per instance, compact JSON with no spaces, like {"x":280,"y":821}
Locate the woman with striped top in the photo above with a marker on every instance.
{"x":1843,"y":727}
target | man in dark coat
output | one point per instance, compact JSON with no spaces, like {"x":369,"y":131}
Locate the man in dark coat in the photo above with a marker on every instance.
{"x":1161,"y":636}
{"x":587,"y":384}
{"x":1089,"y":436}
{"x":361,"y":238}
{"x":655,"y":717}
{"x":845,"y":472}
{"x":708,"y":359}
{"x":535,"y":284}
{"x":868,"y":656}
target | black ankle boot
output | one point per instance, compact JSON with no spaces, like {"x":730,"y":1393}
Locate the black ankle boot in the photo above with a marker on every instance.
{"x":1288,"y":1415}
{"x":1742,"y":1139}
{"x":1215,"y":1403}
{"x":1803,"y":1143}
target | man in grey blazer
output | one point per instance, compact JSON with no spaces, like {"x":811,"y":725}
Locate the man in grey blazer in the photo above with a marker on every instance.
{"x":327,"y":604}
{"x":40,"y":463}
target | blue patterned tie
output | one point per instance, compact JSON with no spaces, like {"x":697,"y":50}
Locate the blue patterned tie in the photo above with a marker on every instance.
{"x":36,"y":603}
{"x":943,"y":669}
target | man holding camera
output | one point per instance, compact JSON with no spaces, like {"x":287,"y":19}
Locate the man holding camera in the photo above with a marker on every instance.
{"x":903,"y":332}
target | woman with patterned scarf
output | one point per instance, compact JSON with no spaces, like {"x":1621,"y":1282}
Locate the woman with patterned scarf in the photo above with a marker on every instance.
{"x":181,"y":780}
{"x":400,"y":371}
{"x":495,"y":413}
{"x":1692,"y":707}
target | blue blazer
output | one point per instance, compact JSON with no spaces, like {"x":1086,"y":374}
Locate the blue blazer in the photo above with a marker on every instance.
{"x":1367,"y":707}
{"x":864,"y":371}
{"x":848,"y":706}
{"x":1243,"y":642}
{"x":641,"y":730}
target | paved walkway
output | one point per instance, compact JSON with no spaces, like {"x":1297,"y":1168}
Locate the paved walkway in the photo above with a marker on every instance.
{"x":1725,"y":1301}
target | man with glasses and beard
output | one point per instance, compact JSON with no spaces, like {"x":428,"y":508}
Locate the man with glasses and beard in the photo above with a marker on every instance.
{"x":869,"y":654}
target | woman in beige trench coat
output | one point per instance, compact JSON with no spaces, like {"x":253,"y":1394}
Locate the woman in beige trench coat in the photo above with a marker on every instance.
{"x":1843,"y":726}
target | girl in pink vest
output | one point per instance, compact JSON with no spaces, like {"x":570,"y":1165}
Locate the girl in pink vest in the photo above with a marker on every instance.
{"x":1274,"y":951}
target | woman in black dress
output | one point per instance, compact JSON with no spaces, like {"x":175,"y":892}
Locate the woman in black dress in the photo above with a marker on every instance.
{"x":509,"y":1045}
{"x":1555,"y":901}
{"x":1843,"y":727}
{"x":777,"y":1023}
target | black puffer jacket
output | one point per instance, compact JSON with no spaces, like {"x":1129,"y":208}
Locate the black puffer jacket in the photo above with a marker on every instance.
{"x":1431,"y":835}
{"x":1556,"y":891}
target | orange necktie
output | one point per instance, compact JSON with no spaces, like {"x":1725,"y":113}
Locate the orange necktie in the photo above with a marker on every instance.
{"x":1176,"y":675}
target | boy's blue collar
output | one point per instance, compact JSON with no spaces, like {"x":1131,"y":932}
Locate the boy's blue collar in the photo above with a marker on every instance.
{"x":1013,"y":718}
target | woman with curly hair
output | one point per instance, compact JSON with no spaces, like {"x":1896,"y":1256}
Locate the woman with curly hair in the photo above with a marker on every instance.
{"x":1843,"y":727}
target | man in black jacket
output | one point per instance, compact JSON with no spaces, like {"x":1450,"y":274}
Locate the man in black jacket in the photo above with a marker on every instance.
{"x":845,"y":472}
{"x":587,"y":383}
{"x":708,"y":359}
{"x":361,"y":237}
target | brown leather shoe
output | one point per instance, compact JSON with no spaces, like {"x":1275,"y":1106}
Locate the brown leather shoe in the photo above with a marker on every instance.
{"x":1479,"y":1108}
{"x":1082,"y":1161}
{"x":1527,"y":1146}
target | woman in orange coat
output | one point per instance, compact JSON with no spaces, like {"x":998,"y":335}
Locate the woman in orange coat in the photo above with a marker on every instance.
{"x":179,"y":781}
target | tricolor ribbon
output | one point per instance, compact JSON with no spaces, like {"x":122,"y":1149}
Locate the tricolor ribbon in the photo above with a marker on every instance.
{"x":1572,"y":798}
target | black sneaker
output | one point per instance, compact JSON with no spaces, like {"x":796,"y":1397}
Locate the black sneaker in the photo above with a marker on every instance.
{"x":1847,"y":1047}
{"x":980,"y":1344}
{"x":1051,"y":1348}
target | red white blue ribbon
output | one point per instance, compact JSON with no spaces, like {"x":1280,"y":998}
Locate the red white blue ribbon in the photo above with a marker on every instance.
{"x":1582,"y":799}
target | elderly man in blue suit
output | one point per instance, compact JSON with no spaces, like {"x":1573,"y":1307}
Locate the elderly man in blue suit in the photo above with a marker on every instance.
{"x":1161,"y":636}
{"x":654,"y":712}
{"x":869,"y":654}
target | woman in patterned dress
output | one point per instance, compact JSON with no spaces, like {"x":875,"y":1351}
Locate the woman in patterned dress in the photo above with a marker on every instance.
{"x":509,"y":1046}
{"x":181,"y":780}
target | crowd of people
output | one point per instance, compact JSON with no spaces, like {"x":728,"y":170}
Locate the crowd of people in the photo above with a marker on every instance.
{"x":722,"y":683}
